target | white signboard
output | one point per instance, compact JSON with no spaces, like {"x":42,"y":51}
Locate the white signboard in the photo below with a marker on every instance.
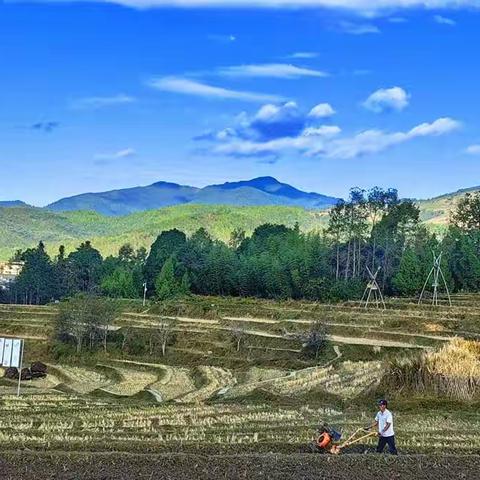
{"x":7,"y":352}
{"x":10,"y":352}
{"x":16,"y":353}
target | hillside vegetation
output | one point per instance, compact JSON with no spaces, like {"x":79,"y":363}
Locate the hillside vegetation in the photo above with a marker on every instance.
{"x":26,"y":226}
{"x":436,"y":211}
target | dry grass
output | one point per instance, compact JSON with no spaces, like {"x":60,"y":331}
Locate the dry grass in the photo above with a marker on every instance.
{"x":453,"y":371}
{"x":131,"y":383}
{"x":82,"y":380}
{"x":214,"y":379}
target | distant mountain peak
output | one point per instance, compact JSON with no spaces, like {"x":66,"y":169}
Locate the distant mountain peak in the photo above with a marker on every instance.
{"x":258,"y":191}
{"x":161,"y":184}
{"x":12,"y":203}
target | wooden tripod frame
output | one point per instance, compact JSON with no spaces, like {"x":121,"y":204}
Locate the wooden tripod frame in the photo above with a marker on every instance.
{"x":373,"y":290}
{"x":437,"y":275}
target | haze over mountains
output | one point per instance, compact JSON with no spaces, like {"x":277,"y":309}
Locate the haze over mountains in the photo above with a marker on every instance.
{"x":256,"y":192}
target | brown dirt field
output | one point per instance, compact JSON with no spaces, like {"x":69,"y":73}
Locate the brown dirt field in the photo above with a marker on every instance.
{"x":27,"y":465}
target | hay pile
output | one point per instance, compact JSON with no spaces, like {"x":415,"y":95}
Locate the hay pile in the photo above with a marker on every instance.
{"x":453,"y":371}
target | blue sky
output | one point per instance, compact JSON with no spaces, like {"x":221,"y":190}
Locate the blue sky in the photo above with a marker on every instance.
{"x":96,"y":96}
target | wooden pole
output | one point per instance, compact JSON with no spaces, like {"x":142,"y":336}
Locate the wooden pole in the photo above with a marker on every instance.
{"x":21,"y":366}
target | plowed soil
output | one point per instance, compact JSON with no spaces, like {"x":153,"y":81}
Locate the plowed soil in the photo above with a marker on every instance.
{"x":36,"y":466}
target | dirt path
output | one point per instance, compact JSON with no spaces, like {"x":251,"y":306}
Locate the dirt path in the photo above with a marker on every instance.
{"x":372,"y":342}
{"x":26,"y":337}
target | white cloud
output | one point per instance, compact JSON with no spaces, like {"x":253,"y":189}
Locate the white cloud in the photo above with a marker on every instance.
{"x":323,"y":131}
{"x":192,"y":87}
{"x":102,"y":102}
{"x":324,"y":141}
{"x":308,"y":139}
{"x":438,"y":127}
{"x":358,"y":28}
{"x":444,"y":20}
{"x":395,"y":98}
{"x":473,"y":149}
{"x":362,"y":6}
{"x":125,"y":153}
{"x":322,"y":110}
{"x":271,"y":112}
{"x":374,"y":141}
{"x":303,"y":55}
{"x":274,"y":70}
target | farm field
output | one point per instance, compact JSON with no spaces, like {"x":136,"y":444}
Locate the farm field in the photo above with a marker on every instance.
{"x":265,"y":400}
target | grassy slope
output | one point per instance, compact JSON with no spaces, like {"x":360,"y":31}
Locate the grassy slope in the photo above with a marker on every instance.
{"x":24,"y":227}
{"x":436,"y":211}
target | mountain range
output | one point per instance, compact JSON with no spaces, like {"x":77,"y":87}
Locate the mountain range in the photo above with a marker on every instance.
{"x":260,"y":191}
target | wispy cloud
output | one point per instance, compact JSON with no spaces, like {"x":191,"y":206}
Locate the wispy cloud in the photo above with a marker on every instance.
{"x":385,"y":99}
{"x":222,"y":38}
{"x":361,"y":6}
{"x":125,"y":153}
{"x":374,"y":141}
{"x":191,"y":87}
{"x":45,"y":127}
{"x":444,"y":20}
{"x":303,"y":55}
{"x":397,"y":20}
{"x":94,"y":103}
{"x":473,"y":149}
{"x":353,"y":28}
{"x":273,"y":70}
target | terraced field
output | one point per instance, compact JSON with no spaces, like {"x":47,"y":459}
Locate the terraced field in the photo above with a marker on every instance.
{"x":206,"y":397}
{"x":202,"y":365}
{"x":56,"y":421}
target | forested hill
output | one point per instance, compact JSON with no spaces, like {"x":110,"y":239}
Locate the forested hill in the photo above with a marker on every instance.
{"x":25,"y":226}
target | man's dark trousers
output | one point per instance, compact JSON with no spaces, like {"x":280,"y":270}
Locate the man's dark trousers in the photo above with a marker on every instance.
{"x":390,"y":441}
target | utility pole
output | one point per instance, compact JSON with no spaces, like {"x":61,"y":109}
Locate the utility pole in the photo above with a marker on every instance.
{"x":144,"y":293}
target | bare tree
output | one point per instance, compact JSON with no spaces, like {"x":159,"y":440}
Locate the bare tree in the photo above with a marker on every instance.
{"x":126,"y":334}
{"x":238,"y":334}
{"x":162,"y":334}
{"x":85,"y":318}
{"x":316,"y":339}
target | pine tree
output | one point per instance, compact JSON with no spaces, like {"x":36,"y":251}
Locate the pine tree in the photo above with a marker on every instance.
{"x":166,"y":284}
{"x":408,"y":280}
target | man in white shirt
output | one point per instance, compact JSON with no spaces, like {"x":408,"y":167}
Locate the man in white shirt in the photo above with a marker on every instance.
{"x":384,"y":422}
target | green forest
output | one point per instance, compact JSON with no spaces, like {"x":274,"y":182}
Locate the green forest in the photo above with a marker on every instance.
{"x":374,"y":229}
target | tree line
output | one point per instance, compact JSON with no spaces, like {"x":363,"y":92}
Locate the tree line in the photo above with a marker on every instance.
{"x":374,"y":229}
